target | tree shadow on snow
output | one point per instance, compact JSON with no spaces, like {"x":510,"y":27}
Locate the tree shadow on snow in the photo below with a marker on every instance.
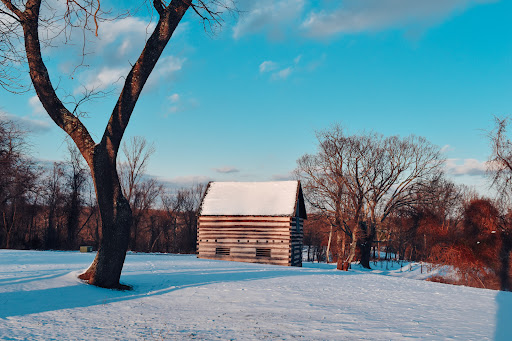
{"x":73,"y":294}
{"x":503,"y":316}
{"x":33,"y":278}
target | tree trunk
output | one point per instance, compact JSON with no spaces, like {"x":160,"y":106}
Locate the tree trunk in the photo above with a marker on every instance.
{"x":344,"y":263}
{"x":97,"y":227}
{"x":506,"y":249}
{"x":115,"y":212}
{"x":365,"y":246}
{"x":116,"y":218}
{"x":378,"y":251}
{"x":134,"y":233}
{"x":351,"y":253}
{"x":328,"y":251}
{"x":343,"y":244}
{"x":73,"y":219}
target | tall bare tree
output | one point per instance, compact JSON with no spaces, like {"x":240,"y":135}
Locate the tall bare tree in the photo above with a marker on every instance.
{"x":116,"y":215}
{"x":53,"y":187}
{"x":17,"y":179}
{"x":76,"y":182}
{"x":500,"y":171}
{"x":500,"y":161}
{"x":181,"y":213}
{"x":360,"y":179}
{"x":141,"y":193}
{"x":132,"y":169}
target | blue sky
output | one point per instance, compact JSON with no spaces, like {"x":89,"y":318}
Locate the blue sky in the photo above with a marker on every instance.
{"x":244,"y":104}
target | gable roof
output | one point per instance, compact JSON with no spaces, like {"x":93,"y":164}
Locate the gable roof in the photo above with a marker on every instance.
{"x":274,"y":198}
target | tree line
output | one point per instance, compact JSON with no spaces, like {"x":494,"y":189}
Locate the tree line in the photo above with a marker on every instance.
{"x":374,"y":196}
{"x":53,"y":206}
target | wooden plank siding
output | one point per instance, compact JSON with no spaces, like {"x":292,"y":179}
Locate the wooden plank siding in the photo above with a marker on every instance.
{"x":251,"y":239}
{"x":297,"y":234}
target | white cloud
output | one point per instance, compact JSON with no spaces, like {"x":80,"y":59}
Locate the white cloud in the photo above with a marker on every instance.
{"x":105,"y":78}
{"x":168,"y":65}
{"x":284,"y":177}
{"x":133,"y":28}
{"x":37,"y":107}
{"x":282,"y":74}
{"x":180,"y":104}
{"x":184,"y":181}
{"x":165,"y":70}
{"x":446,"y":148}
{"x":31,"y":124}
{"x":226,"y":170}
{"x":174,"y":98}
{"x":267,"y":15}
{"x":125,"y":46}
{"x":471,"y":167}
{"x":354,"y":16}
{"x":268,"y":65}
{"x":118,"y":42}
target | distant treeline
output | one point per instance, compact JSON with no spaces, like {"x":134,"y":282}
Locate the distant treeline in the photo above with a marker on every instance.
{"x":54,"y":207}
{"x":471,"y":237}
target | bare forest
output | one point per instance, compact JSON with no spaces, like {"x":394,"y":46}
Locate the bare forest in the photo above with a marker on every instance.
{"x":53,"y":206}
{"x":378,"y":198}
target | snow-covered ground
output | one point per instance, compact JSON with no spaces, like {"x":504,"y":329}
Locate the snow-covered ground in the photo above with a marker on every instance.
{"x":412,"y":270}
{"x":177,"y":297}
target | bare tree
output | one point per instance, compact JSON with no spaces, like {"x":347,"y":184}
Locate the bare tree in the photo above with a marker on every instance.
{"x":360,"y":179}
{"x":141,"y":193}
{"x":17,"y":179}
{"x":144,"y":199}
{"x":500,"y":161}
{"x":401,"y":169}
{"x":181,"y":212}
{"x":500,"y":171}
{"x":54,"y":184}
{"x":76,"y":181}
{"x":116,"y":215}
{"x":131,"y":170}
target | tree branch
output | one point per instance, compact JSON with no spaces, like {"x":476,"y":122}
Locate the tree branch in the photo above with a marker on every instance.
{"x":159,"y":7}
{"x":139,"y":74}
{"x":13,"y":8}
{"x":44,"y":88}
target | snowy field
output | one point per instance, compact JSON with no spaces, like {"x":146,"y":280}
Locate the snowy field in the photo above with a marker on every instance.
{"x":178,"y":297}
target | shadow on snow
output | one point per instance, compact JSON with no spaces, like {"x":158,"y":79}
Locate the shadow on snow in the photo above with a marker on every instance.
{"x":503,"y":316}
{"x":145,"y":283}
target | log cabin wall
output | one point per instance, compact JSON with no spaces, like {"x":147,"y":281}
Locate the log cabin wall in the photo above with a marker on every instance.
{"x":255,"y":239}
{"x":257,"y":222}
{"x":297,"y":235}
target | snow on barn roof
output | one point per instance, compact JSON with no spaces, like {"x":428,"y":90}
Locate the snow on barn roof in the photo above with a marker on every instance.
{"x":275,"y":198}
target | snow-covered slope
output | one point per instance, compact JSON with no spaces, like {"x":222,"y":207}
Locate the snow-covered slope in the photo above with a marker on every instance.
{"x":180,"y":297}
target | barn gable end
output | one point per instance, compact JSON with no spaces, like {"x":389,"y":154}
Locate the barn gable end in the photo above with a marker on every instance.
{"x":260,"y":222}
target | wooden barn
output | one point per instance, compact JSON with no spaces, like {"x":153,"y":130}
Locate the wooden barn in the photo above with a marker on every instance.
{"x":258,"y":222}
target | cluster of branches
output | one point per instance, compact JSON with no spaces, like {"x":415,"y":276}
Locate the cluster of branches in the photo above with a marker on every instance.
{"x":358,"y":181}
{"x":54,"y":207}
{"x":388,"y":195}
